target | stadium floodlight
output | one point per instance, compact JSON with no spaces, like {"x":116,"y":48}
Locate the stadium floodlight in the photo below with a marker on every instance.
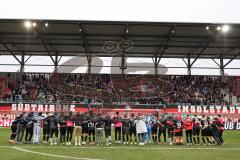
{"x":219,"y":28}
{"x":27,"y":24}
{"x":207,"y":27}
{"x":46,"y":24}
{"x":34,"y":24}
{"x":225,"y":28}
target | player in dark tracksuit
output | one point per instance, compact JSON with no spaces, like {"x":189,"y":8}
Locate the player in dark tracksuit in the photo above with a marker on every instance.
{"x":155,"y":124}
{"x":46,"y":129}
{"x":85,"y":120}
{"x":170,"y":128}
{"x":14,"y":130}
{"x":132,"y":130}
{"x":216,"y":131}
{"x":162,"y":130}
{"x":125,"y":129}
{"x":204,"y":124}
{"x":21,"y":127}
{"x":209,"y":131}
{"x":107,"y":129}
{"x":29,"y":129}
{"x":63,"y":128}
{"x":54,"y":128}
{"x":196,"y":130}
{"x":91,"y":129}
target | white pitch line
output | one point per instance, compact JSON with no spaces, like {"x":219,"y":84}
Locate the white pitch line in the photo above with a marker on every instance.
{"x":139,"y":148}
{"x":52,"y":155}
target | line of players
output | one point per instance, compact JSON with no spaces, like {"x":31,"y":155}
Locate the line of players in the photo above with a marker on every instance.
{"x":90,"y":126}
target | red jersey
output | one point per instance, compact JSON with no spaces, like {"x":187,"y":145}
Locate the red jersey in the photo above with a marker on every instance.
{"x":220,"y":122}
{"x":188,"y":124}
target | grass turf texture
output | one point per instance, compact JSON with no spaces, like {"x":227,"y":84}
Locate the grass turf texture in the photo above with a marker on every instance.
{"x":231,"y":150}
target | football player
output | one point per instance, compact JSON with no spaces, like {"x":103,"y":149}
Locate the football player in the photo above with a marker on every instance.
{"x":132,"y":130}
{"x":204,"y":125}
{"x":46,"y":129}
{"x":99,"y":129}
{"x":178,"y":133}
{"x":155,"y":124}
{"x":125,"y":129}
{"x":188,"y":125}
{"x":196,"y":130}
{"x":170,"y":129}
{"x":162,"y":130}
{"x":107,"y":129}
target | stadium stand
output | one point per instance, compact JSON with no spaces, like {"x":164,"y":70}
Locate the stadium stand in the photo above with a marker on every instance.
{"x":140,"y":89}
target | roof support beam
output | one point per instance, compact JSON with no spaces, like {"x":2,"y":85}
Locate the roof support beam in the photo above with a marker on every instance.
{"x":8,"y":49}
{"x":231,"y":60}
{"x":221,"y":66}
{"x":216,"y":62}
{"x":156,"y":61}
{"x":27,"y":58}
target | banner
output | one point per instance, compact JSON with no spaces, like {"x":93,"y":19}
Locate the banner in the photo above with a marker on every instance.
{"x":232,"y":126}
{"x":177,"y":109}
{"x":9,"y":111}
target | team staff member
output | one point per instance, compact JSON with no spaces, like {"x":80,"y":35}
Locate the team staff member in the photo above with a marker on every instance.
{"x":37,"y":122}
{"x":78,"y":129}
{"x":149,"y":128}
{"x":141,"y":129}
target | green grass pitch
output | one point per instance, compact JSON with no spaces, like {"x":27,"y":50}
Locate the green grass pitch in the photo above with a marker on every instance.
{"x":229,"y":151}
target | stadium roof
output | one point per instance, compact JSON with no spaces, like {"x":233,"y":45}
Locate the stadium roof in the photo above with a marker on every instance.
{"x":81,"y":38}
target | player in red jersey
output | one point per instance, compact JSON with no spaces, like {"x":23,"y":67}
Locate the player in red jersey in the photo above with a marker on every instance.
{"x":220,"y":123}
{"x":196,"y":129}
{"x":170,"y":128}
{"x":178,"y":133}
{"x":188,"y":125}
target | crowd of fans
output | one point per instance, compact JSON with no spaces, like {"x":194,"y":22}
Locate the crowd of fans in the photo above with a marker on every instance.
{"x":139,"y":89}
